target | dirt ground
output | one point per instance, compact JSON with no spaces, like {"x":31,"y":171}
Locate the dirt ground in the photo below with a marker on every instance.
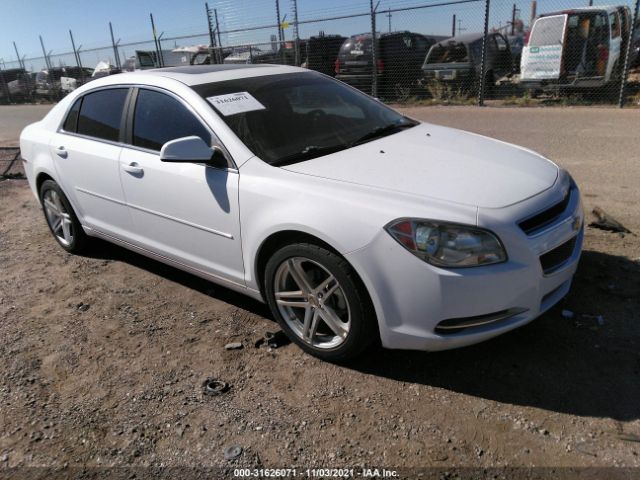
{"x":103,"y":357}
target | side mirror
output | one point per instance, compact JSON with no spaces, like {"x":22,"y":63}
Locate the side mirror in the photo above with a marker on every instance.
{"x":192,"y":149}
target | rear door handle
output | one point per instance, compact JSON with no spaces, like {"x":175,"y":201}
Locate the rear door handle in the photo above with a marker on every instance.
{"x":134,"y":168}
{"x":61,"y":152}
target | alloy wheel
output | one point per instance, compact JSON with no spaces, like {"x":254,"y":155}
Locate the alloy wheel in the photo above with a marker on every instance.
{"x":58,"y":217}
{"x":312,"y":302}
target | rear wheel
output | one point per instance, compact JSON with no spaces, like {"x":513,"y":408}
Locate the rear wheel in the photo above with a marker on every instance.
{"x":61,"y":218}
{"x":319,"y":302}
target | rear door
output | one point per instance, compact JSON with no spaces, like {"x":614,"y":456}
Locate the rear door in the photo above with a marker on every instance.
{"x":542,"y":56}
{"x":86,"y":150}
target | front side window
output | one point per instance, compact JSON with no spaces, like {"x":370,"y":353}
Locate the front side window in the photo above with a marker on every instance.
{"x":289,"y":118}
{"x":101,"y":113}
{"x":159,"y":118}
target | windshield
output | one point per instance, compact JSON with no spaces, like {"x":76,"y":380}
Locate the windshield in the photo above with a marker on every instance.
{"x":293,"y":117}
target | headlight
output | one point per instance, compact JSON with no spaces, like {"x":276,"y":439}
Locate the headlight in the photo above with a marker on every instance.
{"x":446,"y":244}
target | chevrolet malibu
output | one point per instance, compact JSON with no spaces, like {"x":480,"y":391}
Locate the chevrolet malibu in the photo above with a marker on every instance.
{"x":350,"y":220}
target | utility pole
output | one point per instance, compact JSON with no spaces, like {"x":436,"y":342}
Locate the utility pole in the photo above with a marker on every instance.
{"x":389,"y":17}
{"x":532,"y":17}
{"x":513,"y":19}
{"x":115,"y":47}
{"x":460,"y":29}
{"x":453,"y":26}
{"x":296,"y":33}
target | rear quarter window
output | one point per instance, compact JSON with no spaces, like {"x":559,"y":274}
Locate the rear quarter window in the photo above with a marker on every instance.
{"x":71,"y":122}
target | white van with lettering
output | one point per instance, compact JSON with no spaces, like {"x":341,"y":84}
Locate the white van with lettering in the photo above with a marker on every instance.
{"x":582,"y":47}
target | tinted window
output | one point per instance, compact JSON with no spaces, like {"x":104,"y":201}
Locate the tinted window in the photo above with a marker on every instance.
{"x":298,"y":116}
{"x":71,"y":123}
{"x":101,"y":113}
{"x":160,"y":118}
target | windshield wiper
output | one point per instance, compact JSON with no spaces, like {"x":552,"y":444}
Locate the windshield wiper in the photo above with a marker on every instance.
{"x":382,"y":132}
{"x":307,"y":153}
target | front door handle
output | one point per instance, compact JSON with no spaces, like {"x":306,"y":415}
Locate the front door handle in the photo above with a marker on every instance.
{"x":61,"y":152}
{"x":133,"y":168}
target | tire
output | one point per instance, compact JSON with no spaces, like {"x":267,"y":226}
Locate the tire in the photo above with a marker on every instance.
{"x":56,"y":208}
{"x":334,"y":319}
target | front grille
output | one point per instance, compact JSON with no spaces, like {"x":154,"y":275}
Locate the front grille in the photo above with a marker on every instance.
{"x":556,"y":258}
{"x":546,"y":217}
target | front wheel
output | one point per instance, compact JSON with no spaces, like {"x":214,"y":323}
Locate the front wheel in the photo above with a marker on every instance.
{"x":319,"y":302}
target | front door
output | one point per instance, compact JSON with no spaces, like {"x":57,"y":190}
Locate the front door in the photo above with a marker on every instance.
{"x":187,"y":212}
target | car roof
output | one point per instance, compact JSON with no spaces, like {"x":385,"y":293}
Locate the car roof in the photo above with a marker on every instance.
{"x":466,"y":38}
{"x":599,"y":8}
{"x":199,"y":74}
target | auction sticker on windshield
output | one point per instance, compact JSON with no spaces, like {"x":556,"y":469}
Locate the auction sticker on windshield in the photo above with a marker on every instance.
{"x":233,"y":103}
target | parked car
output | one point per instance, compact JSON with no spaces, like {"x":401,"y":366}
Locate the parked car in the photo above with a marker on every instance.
{"x":59,"y":81}
{"x":400,"y":55}
{"x":240,"y":55}
{"x":352,"y":221}
{"x":284,"y":55}
{"x":457,"y":61}
{"x":16,"y":84}
{"x":577,"y":48}
{"x":634,"y":58}
{"x":321,"y":53}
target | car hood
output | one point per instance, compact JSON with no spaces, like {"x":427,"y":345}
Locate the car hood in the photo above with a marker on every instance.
{"x":442,"y":163}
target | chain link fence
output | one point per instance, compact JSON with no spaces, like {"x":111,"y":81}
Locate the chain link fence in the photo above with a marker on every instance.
{"x":412,"y":51}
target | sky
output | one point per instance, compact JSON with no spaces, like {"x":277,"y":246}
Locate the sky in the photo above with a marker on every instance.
{"x":23,"y":21}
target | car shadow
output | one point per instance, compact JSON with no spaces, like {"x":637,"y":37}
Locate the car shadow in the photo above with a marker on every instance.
{"x":582,"y":366}
{"x":103,"y":250}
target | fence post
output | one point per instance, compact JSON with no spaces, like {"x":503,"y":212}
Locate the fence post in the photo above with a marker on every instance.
{"x":212,"y":38}
{"x":220,"y":54}
{"x":625,"y":70}
{"x":44,"y":52}
{"x":296,"y":33}
{"x":374,"y":52}
{"x":483,"y":63}
{"x":20,"y":61}
{"x":115,"y":47}
{"x":280,"y":32}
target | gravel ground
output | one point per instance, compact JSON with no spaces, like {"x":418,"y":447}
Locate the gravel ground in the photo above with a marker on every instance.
{"x":103,"y":357}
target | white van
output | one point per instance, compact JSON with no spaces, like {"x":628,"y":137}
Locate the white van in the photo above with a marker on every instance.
{"x":582,"y":47}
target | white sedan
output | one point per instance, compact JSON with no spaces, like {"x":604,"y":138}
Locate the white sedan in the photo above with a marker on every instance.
{"x":353,"y":222}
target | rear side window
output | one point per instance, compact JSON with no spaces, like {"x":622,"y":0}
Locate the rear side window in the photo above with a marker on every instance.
{"x":101,"y":113}
{"x":160,"y":118}
{"x":71,"y":122}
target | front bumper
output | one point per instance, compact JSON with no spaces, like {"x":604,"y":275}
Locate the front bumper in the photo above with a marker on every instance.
{"x":412,"y":297}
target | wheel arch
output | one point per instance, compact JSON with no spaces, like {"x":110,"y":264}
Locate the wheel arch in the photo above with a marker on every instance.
{"x":41,"y":177}
{"x":278,"y":239}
